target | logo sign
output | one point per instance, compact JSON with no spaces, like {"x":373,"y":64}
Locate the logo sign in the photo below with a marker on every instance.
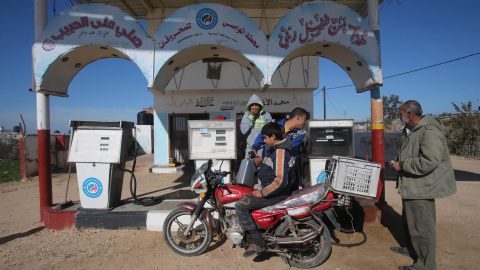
{"x":207,"y":18}
{"x":92,"y":187}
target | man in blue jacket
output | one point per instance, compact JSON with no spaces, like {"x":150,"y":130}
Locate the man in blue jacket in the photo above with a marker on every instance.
{"x":273,"y":175}
{"x":293,"y":130}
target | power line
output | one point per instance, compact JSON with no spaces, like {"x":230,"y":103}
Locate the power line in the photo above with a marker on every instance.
{"x":411,"y":71}
{"x":327,"y":97}
{"x":432,"y":65}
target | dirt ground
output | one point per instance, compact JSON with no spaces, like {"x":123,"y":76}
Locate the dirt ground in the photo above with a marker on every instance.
{"x":26,"y":244}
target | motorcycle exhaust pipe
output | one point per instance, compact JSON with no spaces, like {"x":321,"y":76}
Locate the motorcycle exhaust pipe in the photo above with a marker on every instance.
{"x":295,"y":240}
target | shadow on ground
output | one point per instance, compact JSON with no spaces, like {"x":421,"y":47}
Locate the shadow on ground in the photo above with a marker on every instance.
{"x":9,"y":238}
{"x":179,"y":190}
{"x":393,"y":222}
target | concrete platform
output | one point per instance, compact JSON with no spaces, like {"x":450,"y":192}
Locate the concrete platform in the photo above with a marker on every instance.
{"x":169,"y":169}
{"x":172,"y":188}
{"x":125,"y":216}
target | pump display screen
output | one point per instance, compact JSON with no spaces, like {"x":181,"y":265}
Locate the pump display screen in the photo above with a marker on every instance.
{"x":329,"y":141}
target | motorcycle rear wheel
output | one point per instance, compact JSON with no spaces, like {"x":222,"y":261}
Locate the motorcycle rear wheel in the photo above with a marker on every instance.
{"x":186,"y":244}
{"x":310,"y":254}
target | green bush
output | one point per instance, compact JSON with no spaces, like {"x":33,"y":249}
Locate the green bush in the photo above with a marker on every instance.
{"x":10,"y":170}
{"x":463,"y":131}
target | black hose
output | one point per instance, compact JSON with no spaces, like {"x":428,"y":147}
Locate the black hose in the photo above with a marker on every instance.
{"x":146,"y":201}
{"x":354,"y":244}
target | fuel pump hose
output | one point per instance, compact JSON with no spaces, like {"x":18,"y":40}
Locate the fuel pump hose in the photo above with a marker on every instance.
{"x":145,"y":201}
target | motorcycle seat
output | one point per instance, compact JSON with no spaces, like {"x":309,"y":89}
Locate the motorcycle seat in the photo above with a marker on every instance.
{"x":300,"y":197}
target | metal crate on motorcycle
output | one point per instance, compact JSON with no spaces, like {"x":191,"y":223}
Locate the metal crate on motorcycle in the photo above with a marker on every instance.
{"x":356,"y":177}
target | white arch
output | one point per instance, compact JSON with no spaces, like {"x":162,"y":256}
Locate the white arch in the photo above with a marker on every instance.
{"x":81,"y":35}
{"x":205,"y":31}
{"x":333,"y":31}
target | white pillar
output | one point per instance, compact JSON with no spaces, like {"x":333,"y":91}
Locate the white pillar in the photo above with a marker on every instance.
{"x":43,"y":101}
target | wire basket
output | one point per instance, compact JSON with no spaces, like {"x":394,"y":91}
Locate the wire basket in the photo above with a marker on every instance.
{"x":355,"y":177}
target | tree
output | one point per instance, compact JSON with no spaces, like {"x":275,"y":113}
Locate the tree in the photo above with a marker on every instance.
{"x":463,"y":131}
{"x":391,"y":109}
{"x":464,"y":109}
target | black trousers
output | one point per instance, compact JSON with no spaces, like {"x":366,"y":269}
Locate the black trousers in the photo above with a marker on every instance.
{"x":244,"y":206}
{"x":419,"y":221}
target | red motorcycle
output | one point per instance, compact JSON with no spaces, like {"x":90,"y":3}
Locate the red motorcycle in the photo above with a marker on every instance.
{"x":292,"y":228}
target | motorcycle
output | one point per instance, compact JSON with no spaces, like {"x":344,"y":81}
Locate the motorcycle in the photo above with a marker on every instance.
{"x":292,"y":228}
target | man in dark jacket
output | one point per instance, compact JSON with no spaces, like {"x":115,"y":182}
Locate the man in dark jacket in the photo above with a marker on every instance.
{"x":273,"y":175}
{"x":293,"y":129}
{"x":425,"y":173}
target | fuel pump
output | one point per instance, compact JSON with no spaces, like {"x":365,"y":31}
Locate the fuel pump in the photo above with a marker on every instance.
{"x":325,"y":139}
{"x":213,"y":139}
{"x":100,"y":150}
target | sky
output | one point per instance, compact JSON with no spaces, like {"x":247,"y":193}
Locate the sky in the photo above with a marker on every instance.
{"x":414,"y":34}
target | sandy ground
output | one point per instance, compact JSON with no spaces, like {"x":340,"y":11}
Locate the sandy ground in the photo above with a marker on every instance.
{"x":26,"y":244}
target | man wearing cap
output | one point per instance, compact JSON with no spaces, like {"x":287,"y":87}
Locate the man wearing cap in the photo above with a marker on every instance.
{"x":253,"y":120}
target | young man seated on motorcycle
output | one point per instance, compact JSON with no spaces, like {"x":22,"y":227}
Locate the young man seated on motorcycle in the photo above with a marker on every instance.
{"x":293,"y":129}
{"x":274,"y":174}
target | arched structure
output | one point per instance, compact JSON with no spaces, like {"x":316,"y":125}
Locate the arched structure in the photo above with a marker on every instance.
{"x":208,"y":31}
{"x":81,"y":35}
{"x":333,"y":31}
{"x":85,"y":33}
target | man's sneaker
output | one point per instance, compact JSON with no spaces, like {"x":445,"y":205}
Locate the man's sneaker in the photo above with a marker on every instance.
{"x":253,"y":250}
{"x":400,"y":250}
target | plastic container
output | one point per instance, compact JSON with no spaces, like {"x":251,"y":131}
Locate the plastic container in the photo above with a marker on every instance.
{"x":246,"y":173}
{"x":144,"y":118}
{"x":355,"y":177}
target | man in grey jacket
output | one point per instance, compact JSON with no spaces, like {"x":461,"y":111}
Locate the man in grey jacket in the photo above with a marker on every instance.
{"x":425,"y":173}
{"x":253,"y":120}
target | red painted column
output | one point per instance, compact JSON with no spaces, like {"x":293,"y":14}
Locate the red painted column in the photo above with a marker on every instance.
{"x":378,"y":146}
{"x":44,"y":170}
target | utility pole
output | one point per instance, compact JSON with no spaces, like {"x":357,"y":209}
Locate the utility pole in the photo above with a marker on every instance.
{"x":324,"y":104}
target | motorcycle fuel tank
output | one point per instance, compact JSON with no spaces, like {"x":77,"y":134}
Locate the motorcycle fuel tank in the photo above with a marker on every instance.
{"x":229,"y":193}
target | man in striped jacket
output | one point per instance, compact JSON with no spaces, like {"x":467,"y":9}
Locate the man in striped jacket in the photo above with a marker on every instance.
{"x":274,"y":175}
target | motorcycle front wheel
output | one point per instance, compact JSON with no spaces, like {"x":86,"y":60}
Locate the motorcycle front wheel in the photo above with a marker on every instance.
{"x":310,"y":254}
{"x":185,"y":243}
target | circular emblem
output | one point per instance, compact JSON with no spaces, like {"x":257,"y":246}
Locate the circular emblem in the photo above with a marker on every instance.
{"x":207,"y":18}
{"x":323,"y":177}
{"x":48,"y":45}
{"x":92,"y":187}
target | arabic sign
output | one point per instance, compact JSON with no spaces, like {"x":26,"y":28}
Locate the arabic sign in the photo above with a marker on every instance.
{"x":209,"y":24}
{"x":91,"y":24}
{"x":71,"y":28}
{"x":326,"y":22}
{"x":203,"y":101}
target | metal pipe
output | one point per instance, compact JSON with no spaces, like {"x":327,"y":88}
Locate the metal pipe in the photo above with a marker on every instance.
{"x":295,"y":240}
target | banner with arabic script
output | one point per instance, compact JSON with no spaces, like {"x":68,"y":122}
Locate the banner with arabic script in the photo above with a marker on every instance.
{"x":101,"y":30}
{"x":329,"y":30}
{"x":233,"y":34}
